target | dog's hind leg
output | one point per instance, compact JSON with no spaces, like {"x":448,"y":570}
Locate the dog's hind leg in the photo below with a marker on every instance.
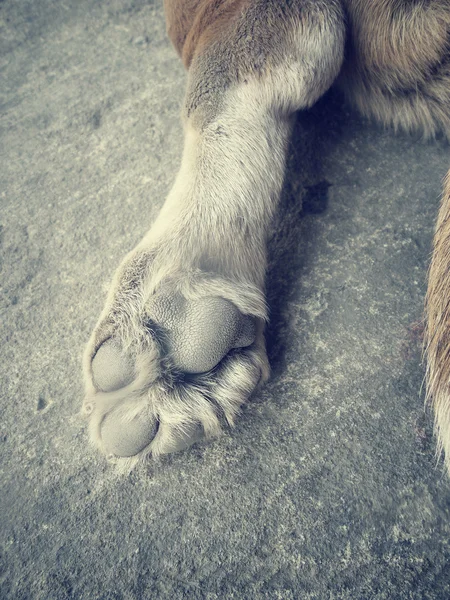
{"x":437,"y":339}
{"x":397,"y":66}
{"x":180,"y":342}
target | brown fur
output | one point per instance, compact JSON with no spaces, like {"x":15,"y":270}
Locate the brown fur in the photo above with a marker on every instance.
{"x":397,"y":54}
{"x":398,"y":63}
{"x":437,"y":338}
{"x":179,"y":19}
{"x":211,"y":22}
{"x":193,"y":25}
{"x":399,"y":42}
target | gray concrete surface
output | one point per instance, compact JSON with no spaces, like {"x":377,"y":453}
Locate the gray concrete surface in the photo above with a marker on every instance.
{"x":328,"y":487}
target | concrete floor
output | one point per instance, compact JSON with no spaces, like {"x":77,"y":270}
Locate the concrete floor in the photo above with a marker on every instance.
{"x":328,"y":487}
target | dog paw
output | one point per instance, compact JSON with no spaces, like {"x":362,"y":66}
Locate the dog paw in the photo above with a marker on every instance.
{"x":171,"y":359}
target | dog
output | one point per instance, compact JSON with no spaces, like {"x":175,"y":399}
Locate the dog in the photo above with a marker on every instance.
{"x":179,"y":346}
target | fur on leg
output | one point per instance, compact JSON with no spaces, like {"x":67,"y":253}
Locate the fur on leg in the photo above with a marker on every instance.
{"x":437,"y":338}
{"x":397,"y":68}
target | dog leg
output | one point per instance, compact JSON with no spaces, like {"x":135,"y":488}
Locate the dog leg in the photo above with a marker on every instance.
{"x":397,"y":67}
{"x":180,"y":343}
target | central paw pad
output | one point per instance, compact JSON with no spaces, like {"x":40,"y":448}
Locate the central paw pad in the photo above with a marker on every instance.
{"x":199,"y":333}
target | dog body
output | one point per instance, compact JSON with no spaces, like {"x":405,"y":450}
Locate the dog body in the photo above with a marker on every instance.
{"x":180,"y":343}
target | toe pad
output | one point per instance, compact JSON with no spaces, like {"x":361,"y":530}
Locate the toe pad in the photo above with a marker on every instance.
{"x":112,"y":369}
{"x":127,"y":438}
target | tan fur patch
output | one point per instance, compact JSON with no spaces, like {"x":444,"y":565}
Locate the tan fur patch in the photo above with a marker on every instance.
{"x":193,"y":24}
{"x":397,"y":40}
{"x":437,"y":334}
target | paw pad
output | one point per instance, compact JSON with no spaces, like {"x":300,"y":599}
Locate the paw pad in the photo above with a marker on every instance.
{"x":112,"y":369}
{"x":199,"y":333}
{"x":135,"y":402}
{"x":127,"y":437}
